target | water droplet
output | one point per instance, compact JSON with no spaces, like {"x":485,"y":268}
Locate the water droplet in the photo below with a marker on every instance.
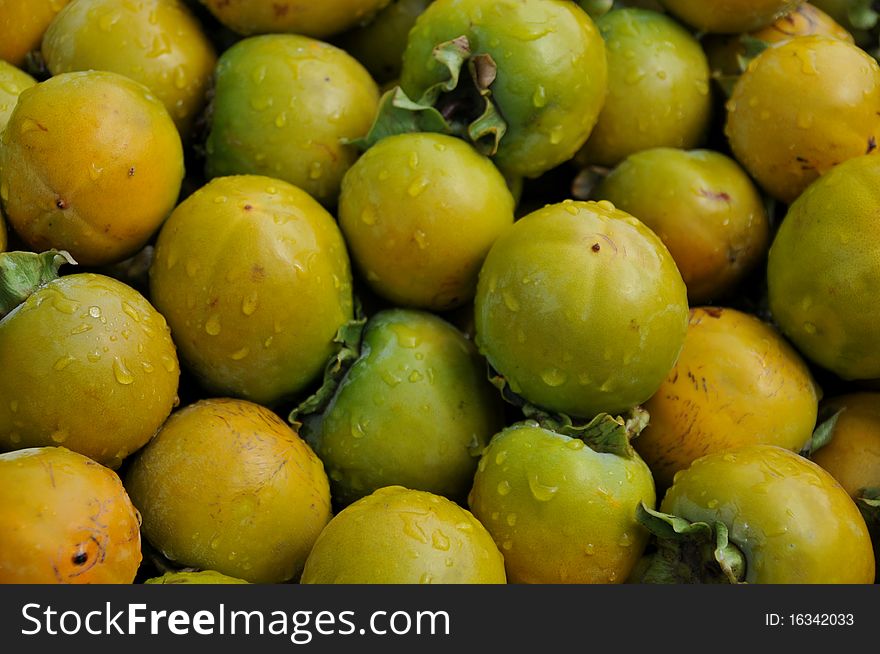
{"x":417,"y":187}
{"x":131,"y":312}
{"x":412,"y":528}
{"x":440,"y":541}
{"x":238,"y":355}
{"x":504,"y":488}
{"x":712,"y":504}
{"x":94,"y":357}
{"x":168,"y":362}
{"x":212,"y":325}
{"x":147,"y":366}
{"x":95,"y":312}
{"x":95,"y":171}
{"x":500,"y":457}
{"x":81,"y":329}
{"x":58,"y":436}
{"x":426,"y":578}
{"x":249,"y":304}
{"x":553,"y":377}
{"x":63,"y":362}
{"x":315,"y":170}
{"x":215,"y":543}
{"x":510,"y":300}
{"x":368,"y":216}
{"x":415,"y":376}
{"x":511,"y":519}
{"x":413,"y":160}
{"x":625,"y":540}
{"x":507,"y":545}
{"x":575,"y":444}
{"x":540,"y":491}
{"x":810,"y":328}
{"x":281,"y":120}
{"x":590,"y":549}
{"x":121,"y":372}
{"x":389,"y":378}
{"x":421,"y":239}
{"x":539,"y":97}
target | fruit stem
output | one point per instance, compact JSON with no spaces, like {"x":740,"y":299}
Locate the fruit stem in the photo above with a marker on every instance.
{"x":22,"y":273}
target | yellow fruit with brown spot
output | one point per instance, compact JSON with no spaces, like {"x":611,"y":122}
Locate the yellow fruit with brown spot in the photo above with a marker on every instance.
{"x":65,"y":519}
{"x":737,"y":382}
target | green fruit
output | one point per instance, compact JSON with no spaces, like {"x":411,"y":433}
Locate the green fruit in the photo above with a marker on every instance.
{"x":704,"y":208}
{"x":728,"y":16}
{"x":318,"y":19}
{"x":91,"y":163}
{"x":12,"y":82}
{"x":158,"y":43}
{"x":652,"y":61}
{"x":824,"y":270}
{"x":283,"y":104}
{"x":227,"y":486}
{"x":560,"y":511}
{"x":419,"y":212}
{"x":195,"y":577}
{"x":402,"y":536}
{"x":254,"y":279}
{"x":831,"y":90}
{"x":581,"y":309}
{"x":551,"y":73}
{"x":415,"y":409}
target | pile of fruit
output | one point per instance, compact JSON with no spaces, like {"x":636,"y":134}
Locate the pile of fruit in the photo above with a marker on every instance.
{"x":462,"y":291}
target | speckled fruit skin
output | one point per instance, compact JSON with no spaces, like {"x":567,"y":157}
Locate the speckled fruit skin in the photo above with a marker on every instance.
{"x":65,"y":519}
{"x":186,"y":577}
{"x":88,"y":362}
{"x":22,"y":24}
{"x":853,"y":454}
{"x":282,"y":106}
{"x":91,"y":163}
{"x":704,"y":208}
{"x":559,"y":511}
{"x":823,"y":270}
{"x":419,"y":213}
{"x":318,"y":19}
{"x":728,"y":16}
{"x":652,"y":62}
{"x":552,"y":72}
{"x":737,"y":382}
{"x":254,"y":279}
{"x":831,"y":90}
{"x":12,"y":82}
{"x":793,"y":522}
{"x":227,"y":486}
{"x":402,"y":536}
{"x":581,"y":308}
{"x":414,"y":410}
{"x":158,"y":43}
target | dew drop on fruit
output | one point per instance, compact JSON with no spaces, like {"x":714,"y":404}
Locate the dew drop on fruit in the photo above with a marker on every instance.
{"x":249,"y":304}
{"x":440,"y":541}
{"x":500,"y":457}
{"x":510,"y":300}
{"x":540,"y":491}
{"x":63,"y":362}
{"x":240,"y":354}
{"x":503,"y":488}
{"x":511,"y":519}
{"x":212,"y":325}
{"x":121,"y":372}
{"x":553,"y":377}
{"x":810,"y":328}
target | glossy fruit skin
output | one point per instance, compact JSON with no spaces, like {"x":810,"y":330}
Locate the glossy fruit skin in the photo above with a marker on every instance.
{"x":852,"y":456}
{"x":729,"y":16}
{"x":793,"y":522}
{"x":402,"y":536}
{"x":581,"y":308}
{"x":12,"y":82}
{"x":723,"y":51}
{"x":551,"y":78}
{"x":88,"y":362}
{"x":415,"y":410}
{"x":158,"y":43}
{"x":737,"y":382}
{"x":22,"y":24}
{"x":379,"y":44}
{"x":254,"y":279}
{"x":194,"y":577}
{"x":559,"y":511}
{"x":65,"y":519}
{"x":91,"y":163}
{"x":282,"y":104}
{"x":711,"y":216}
{"x":227,"y":486}
{"x":419,"y":213}
{"x":317,"y":19}
{"x":832,"y":89}
{"x":824,"y":268}
{"x":652,"y":62}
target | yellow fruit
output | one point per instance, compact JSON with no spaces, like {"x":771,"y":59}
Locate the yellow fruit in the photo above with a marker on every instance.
{"x":22,"y":24}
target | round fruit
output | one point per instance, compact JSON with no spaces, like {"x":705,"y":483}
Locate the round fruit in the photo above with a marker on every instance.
{"x":12,"y":82}
{"x":419,"y":212}
{"x":22,"y":24}
{"x":65,"y":520}
{"x":790,"y":520}
{"x":560,"y":511}
{"x":227,"y":486}
{"x":711,"y":216}
{"x":89,"y":363}
{"x":254,"y":279}
{"x":852,"y":456}
{"x":550,"y":81}
{"x":194,"y":577}
{"x":91,"y":163}
{"x":729,"y":16}
{"x":824,"y":269}
{"x":318,"y":19}
{"x":737,"y":382}
{"x":415,"y":409}
{"x":831,"y":90}
{"x":402,"y":536}
{"x":158,"y":43}
{"x":581,"y":308}
{"x":282,"y":106}
{"x":652,"y":61}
